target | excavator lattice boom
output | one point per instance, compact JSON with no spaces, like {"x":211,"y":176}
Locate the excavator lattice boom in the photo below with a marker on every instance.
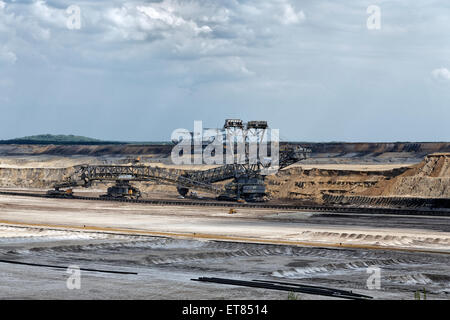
{"x":247,"y":179}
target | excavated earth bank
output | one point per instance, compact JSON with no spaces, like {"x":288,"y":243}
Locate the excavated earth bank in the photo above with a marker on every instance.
{"x":362,"y":174}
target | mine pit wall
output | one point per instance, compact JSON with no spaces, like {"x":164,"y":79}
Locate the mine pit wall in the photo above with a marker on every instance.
{"x":84,"y":150}
{"x":404,"y":186}
{"x":430,"y":179}
{"x":426,"y":185}
{"x":365,"y":151}
{"x":45,"y":178}
{"x":32,"y":177}
{"x":378,"y":147}
{"x":311,"y":184}
{"x":293,"y":183}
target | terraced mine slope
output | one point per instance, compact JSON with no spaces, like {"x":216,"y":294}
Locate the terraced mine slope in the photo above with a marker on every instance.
{"x":430,"y":179}
{"x":144,"y":251}
{"x":359,"y":174}
{"x":312,"y":183}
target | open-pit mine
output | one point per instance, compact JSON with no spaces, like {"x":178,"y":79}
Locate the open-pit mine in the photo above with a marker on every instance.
{"x":138,"y":226}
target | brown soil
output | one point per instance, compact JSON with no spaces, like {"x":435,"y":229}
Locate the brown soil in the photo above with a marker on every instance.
{"x":430,"y":178}
{"x":312,"y":184}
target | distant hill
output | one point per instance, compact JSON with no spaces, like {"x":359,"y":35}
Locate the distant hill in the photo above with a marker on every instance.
{"x":56,"y":139}
{"x":70,"y":139}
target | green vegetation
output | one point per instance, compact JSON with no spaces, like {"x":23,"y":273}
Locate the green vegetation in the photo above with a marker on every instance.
{"x":417,"y":295}
{"x":293,"y":296}
{"x":58,"y":138}
{"x":61,"y":139}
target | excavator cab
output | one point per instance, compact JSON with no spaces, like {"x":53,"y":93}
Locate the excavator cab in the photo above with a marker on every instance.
{"x":122,"y":190}
{"x":60,"y":193}
{"x":245,"y":188}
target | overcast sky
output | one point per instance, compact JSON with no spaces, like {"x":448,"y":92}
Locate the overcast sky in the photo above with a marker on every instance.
{"x":137,"y":70}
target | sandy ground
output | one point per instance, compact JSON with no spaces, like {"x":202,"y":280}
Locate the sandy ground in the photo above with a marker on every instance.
{"x":216,"y":223}
{"x":162,"y":268}
{"x":168,"y":246}
{"x":165,"y":247}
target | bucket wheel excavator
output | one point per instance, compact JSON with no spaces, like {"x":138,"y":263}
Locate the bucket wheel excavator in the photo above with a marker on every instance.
{"x":247,"y":179}
{"x":122,"y":175}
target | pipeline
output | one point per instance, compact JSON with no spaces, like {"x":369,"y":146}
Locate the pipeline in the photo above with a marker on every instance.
{"x":290,"y":287}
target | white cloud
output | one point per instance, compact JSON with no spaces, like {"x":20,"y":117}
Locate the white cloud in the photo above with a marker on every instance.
{"x":165,"y":14}
{"x":290,"y":16}
{"x":173,"y":28}
{"x":158,"y":20}
{"x":48,"y":14}
{"x":30,"y":23}
{"x":441,"y":74}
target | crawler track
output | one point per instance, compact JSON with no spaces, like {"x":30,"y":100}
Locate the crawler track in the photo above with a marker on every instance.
{"x":212,"y":203}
